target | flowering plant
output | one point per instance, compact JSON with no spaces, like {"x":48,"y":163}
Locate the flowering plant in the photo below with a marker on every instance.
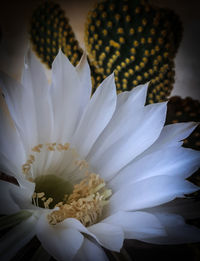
{"x":92,"y":171}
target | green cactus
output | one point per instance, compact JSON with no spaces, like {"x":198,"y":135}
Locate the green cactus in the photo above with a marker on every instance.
{"x":132,"y":38}
{"x":135,"y":40}
{"x":50,"y":31}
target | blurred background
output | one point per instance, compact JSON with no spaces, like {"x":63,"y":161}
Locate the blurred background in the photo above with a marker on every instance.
{"x":15,"y":21}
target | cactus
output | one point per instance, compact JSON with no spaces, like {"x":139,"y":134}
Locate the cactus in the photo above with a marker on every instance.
{"x":50,"y":31}
{"x":135,"y":40}
{"x":132,"y":38}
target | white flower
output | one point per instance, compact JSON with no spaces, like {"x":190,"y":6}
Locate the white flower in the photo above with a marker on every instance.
{"x":108,"y":160}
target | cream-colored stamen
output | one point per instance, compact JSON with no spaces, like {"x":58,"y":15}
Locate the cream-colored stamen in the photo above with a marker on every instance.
{"x":26,"y":167}
{"x":40,"y":196}
{"x":37,"y":148}
{"x":85,"y":203}
{"x":48,"y":202}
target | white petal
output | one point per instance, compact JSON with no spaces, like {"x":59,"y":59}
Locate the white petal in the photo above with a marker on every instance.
{"x":7,"y":167}
{"x":178,"y":232}
{"x":66,"y":92}
{"x":137,"y":225}
{"x":7,"y":204}
{"x":20,"y":104}
{"x":83,"y":70}
{"x":133,"y":100}
{"x":97,"y":115}
{"x":16,"y":238}
{"x":90,"y":250}
{"x":189,"y":208}
{"x":106,"y":235}
{"x":117,"y":146}
{"x":173,"y":161}
{"x":35,"y":81}
{"x":127,"y":104}
{"x":10,"y":142}
{"x":172,"y":135}
{"x":29,"y":104}
{"x":90,"y":231}
{"x":149,"y":193}
{"x":12,"y":153}
{"x":13,"y":198}
{"x":76,"y":224}
{"x":109,"y":236}
{"x":58,"y":240}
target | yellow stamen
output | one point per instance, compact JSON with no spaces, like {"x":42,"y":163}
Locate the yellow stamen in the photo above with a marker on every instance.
{"x":85,"y":203}
{"x":48,"y":202}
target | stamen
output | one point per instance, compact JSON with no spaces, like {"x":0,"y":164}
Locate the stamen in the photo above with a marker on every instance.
{"x":51,"y":146}
{"x":40,"y":195}
{"x":34,"y":197}
{"x":60,"y":147}
{"x":85,"y":203}
{"x":27,"y":167}
{"x":32,"y":157}
{"x":48,"y":202}
{"x":37,"y":149}
{"x":81,"y":164}
{"x":66,"y":146}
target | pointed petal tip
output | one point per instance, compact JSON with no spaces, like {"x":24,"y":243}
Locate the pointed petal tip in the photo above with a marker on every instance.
{"x":112,"y":75}
{"x":83,"y":62}
{"x":60,"y":60}
{"x":29,"y":55}
{"x":145,"y":85}
{"x":60,"y":55}
{"x":84,"y":56}
{"x":108,"y":83}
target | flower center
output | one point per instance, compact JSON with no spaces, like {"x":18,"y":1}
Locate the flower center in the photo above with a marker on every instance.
{"x":85,"y":203}
{"x":82,"y":198}
{"x":52,"y":189}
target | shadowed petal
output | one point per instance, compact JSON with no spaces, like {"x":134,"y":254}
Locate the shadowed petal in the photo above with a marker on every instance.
{"x":137,"y":225}
{"x":16,"y":238}
{"x":173,"y":161}
{"x":90,"y":250}
{"x":178,"y":232}
{"x":60,"y":241}
{"x":149,"y":193}
{"x":14,"y":198}
{"x":109,"y":235}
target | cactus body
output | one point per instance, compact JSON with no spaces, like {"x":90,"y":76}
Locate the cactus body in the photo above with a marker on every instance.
{"x":50,"y":31}
{"x":135,"y":40}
